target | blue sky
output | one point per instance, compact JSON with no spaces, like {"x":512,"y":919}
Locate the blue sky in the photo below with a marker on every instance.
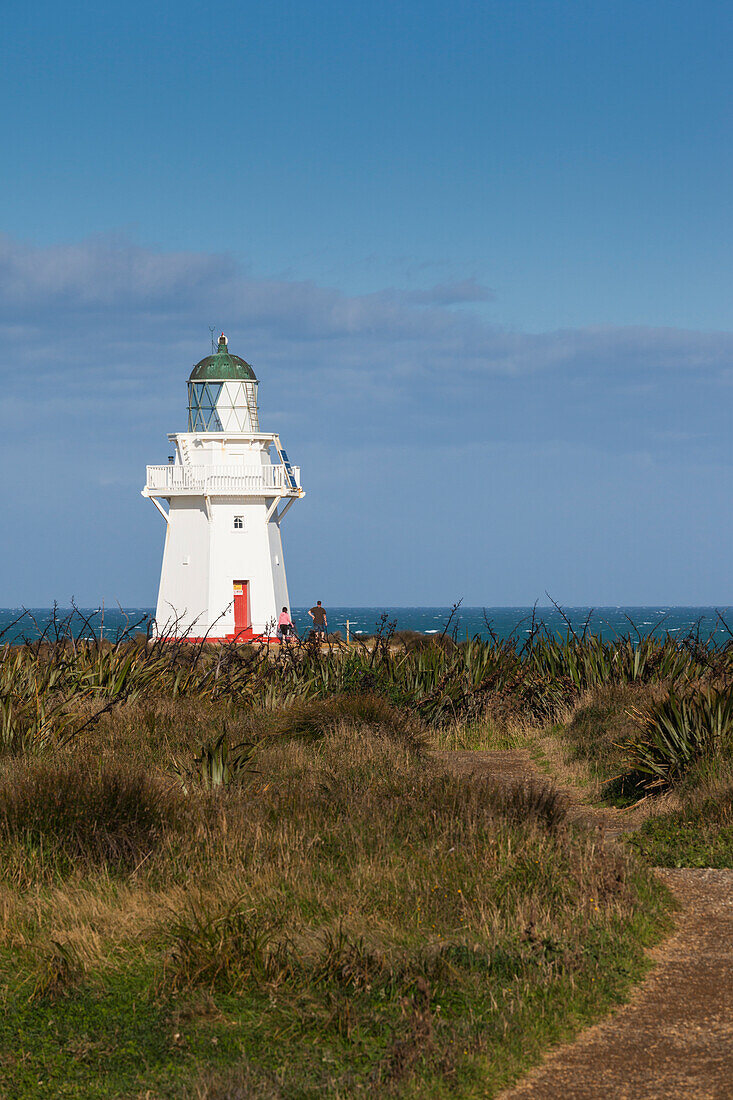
{"x":478,"y":253}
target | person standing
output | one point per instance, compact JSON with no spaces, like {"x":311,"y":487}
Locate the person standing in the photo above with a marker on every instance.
{"x":320,"y":620}
{"x":285,"y":625}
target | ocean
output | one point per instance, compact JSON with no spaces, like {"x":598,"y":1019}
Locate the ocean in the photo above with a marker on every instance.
{"x":467,"y":621}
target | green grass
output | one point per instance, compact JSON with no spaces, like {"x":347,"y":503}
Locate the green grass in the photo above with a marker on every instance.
{"x":699,"y":834}
{"x":673,"y":840}
{"x":466,"y":1031}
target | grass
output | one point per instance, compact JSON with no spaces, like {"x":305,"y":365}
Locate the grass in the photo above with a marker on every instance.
{"x":599,"y":747}
{"x":682,"y":839}
{"x":313,"y":719}
{"x":238,"y":872}
{"x":464,"y":1029}
{"x":595,"y":731}
{"x":692,"y":825}
{"x":73,"y":813}
{"x":480,"y":734}
{"x":345,"y":918}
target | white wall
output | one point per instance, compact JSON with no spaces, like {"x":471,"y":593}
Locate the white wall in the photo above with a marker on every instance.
{"x":208,"y":449}
{"x":247,"y":555}
{"x":184,"y":580}
{"x":280,"y":584}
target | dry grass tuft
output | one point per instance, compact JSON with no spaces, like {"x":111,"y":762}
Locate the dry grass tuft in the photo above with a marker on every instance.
{"x":56,"y":971}
{"x":74,"y":812}
{"x":315,"y":718}
{"x":240,"y":1083}
{"x":530,"y":802}
{"x":214,"y":945}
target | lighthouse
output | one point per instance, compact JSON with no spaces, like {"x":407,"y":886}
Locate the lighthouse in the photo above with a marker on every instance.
{"x":223,"y":495}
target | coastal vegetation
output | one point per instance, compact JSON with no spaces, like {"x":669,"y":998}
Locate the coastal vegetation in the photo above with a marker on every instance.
{"x":250,"y":871}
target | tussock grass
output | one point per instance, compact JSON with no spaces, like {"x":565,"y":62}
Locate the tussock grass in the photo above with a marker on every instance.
{"x":79,"y":813}
{"x":529,"y":801}
{"x":315,"y":718}
{"x":57,"y":970}
{"x":228,"y":945}
{"x":587,"y":744}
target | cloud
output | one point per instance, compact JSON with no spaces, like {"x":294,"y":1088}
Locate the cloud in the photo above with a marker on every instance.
{"x":459,"y":292}
{"x":103,"y":273}
{"x":113,"y":308}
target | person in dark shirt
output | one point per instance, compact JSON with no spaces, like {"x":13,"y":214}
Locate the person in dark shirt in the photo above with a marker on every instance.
{"x":318,"y":615}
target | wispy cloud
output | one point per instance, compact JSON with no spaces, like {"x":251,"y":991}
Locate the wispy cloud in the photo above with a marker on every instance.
{"x":107,"y":305}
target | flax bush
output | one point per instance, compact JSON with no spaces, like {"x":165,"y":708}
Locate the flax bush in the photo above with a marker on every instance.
{"x":679,"y":732}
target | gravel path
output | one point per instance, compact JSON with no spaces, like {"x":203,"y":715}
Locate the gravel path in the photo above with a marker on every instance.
{"x":674,"y":1039}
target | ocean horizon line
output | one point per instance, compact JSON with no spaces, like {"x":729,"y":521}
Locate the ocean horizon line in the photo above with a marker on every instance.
{"x":502,"y":621}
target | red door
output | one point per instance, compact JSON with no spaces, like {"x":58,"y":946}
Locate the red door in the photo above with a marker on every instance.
{"x":242,"y":620}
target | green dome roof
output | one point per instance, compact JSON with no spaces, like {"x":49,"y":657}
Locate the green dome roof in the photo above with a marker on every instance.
{"x":222,"y":367}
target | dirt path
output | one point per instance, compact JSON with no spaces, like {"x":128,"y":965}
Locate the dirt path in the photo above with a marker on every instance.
{"x":674,"y":1039}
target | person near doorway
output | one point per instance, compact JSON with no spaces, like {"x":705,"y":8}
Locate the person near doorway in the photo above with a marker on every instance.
{"x":285,"y":625}
{"x":320,"y":621}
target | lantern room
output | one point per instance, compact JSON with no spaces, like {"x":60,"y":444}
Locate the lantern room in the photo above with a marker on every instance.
{"x":222,"y":394}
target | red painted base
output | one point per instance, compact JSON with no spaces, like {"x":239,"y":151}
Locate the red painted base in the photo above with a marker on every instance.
{"x":242,"y":638}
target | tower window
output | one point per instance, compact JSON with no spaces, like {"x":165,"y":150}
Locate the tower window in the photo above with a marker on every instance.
{"x":239,"y":523}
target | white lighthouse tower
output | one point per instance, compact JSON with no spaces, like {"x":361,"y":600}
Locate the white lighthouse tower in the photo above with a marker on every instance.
{"x":223,"y":574}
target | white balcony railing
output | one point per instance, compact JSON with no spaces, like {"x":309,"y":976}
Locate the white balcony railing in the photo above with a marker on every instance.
{"x":212,"y":480}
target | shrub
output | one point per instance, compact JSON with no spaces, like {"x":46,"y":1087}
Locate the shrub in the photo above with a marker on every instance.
{"x":218,"y":764}
{"x":678,"y":733}
{"x":30,"y":725}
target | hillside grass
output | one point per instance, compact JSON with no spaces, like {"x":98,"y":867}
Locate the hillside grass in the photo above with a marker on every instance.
{"x":235,"y":871}
{"x":346,"y":918}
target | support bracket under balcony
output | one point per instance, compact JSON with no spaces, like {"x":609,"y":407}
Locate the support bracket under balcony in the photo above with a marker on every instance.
{"x":290,"y":503}
{"x":272,"y":508}
{"x":160,"y":508}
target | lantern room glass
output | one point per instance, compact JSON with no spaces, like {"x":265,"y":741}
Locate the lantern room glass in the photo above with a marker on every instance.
{"x":222,"y":406}
{"x":202,"y":414}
